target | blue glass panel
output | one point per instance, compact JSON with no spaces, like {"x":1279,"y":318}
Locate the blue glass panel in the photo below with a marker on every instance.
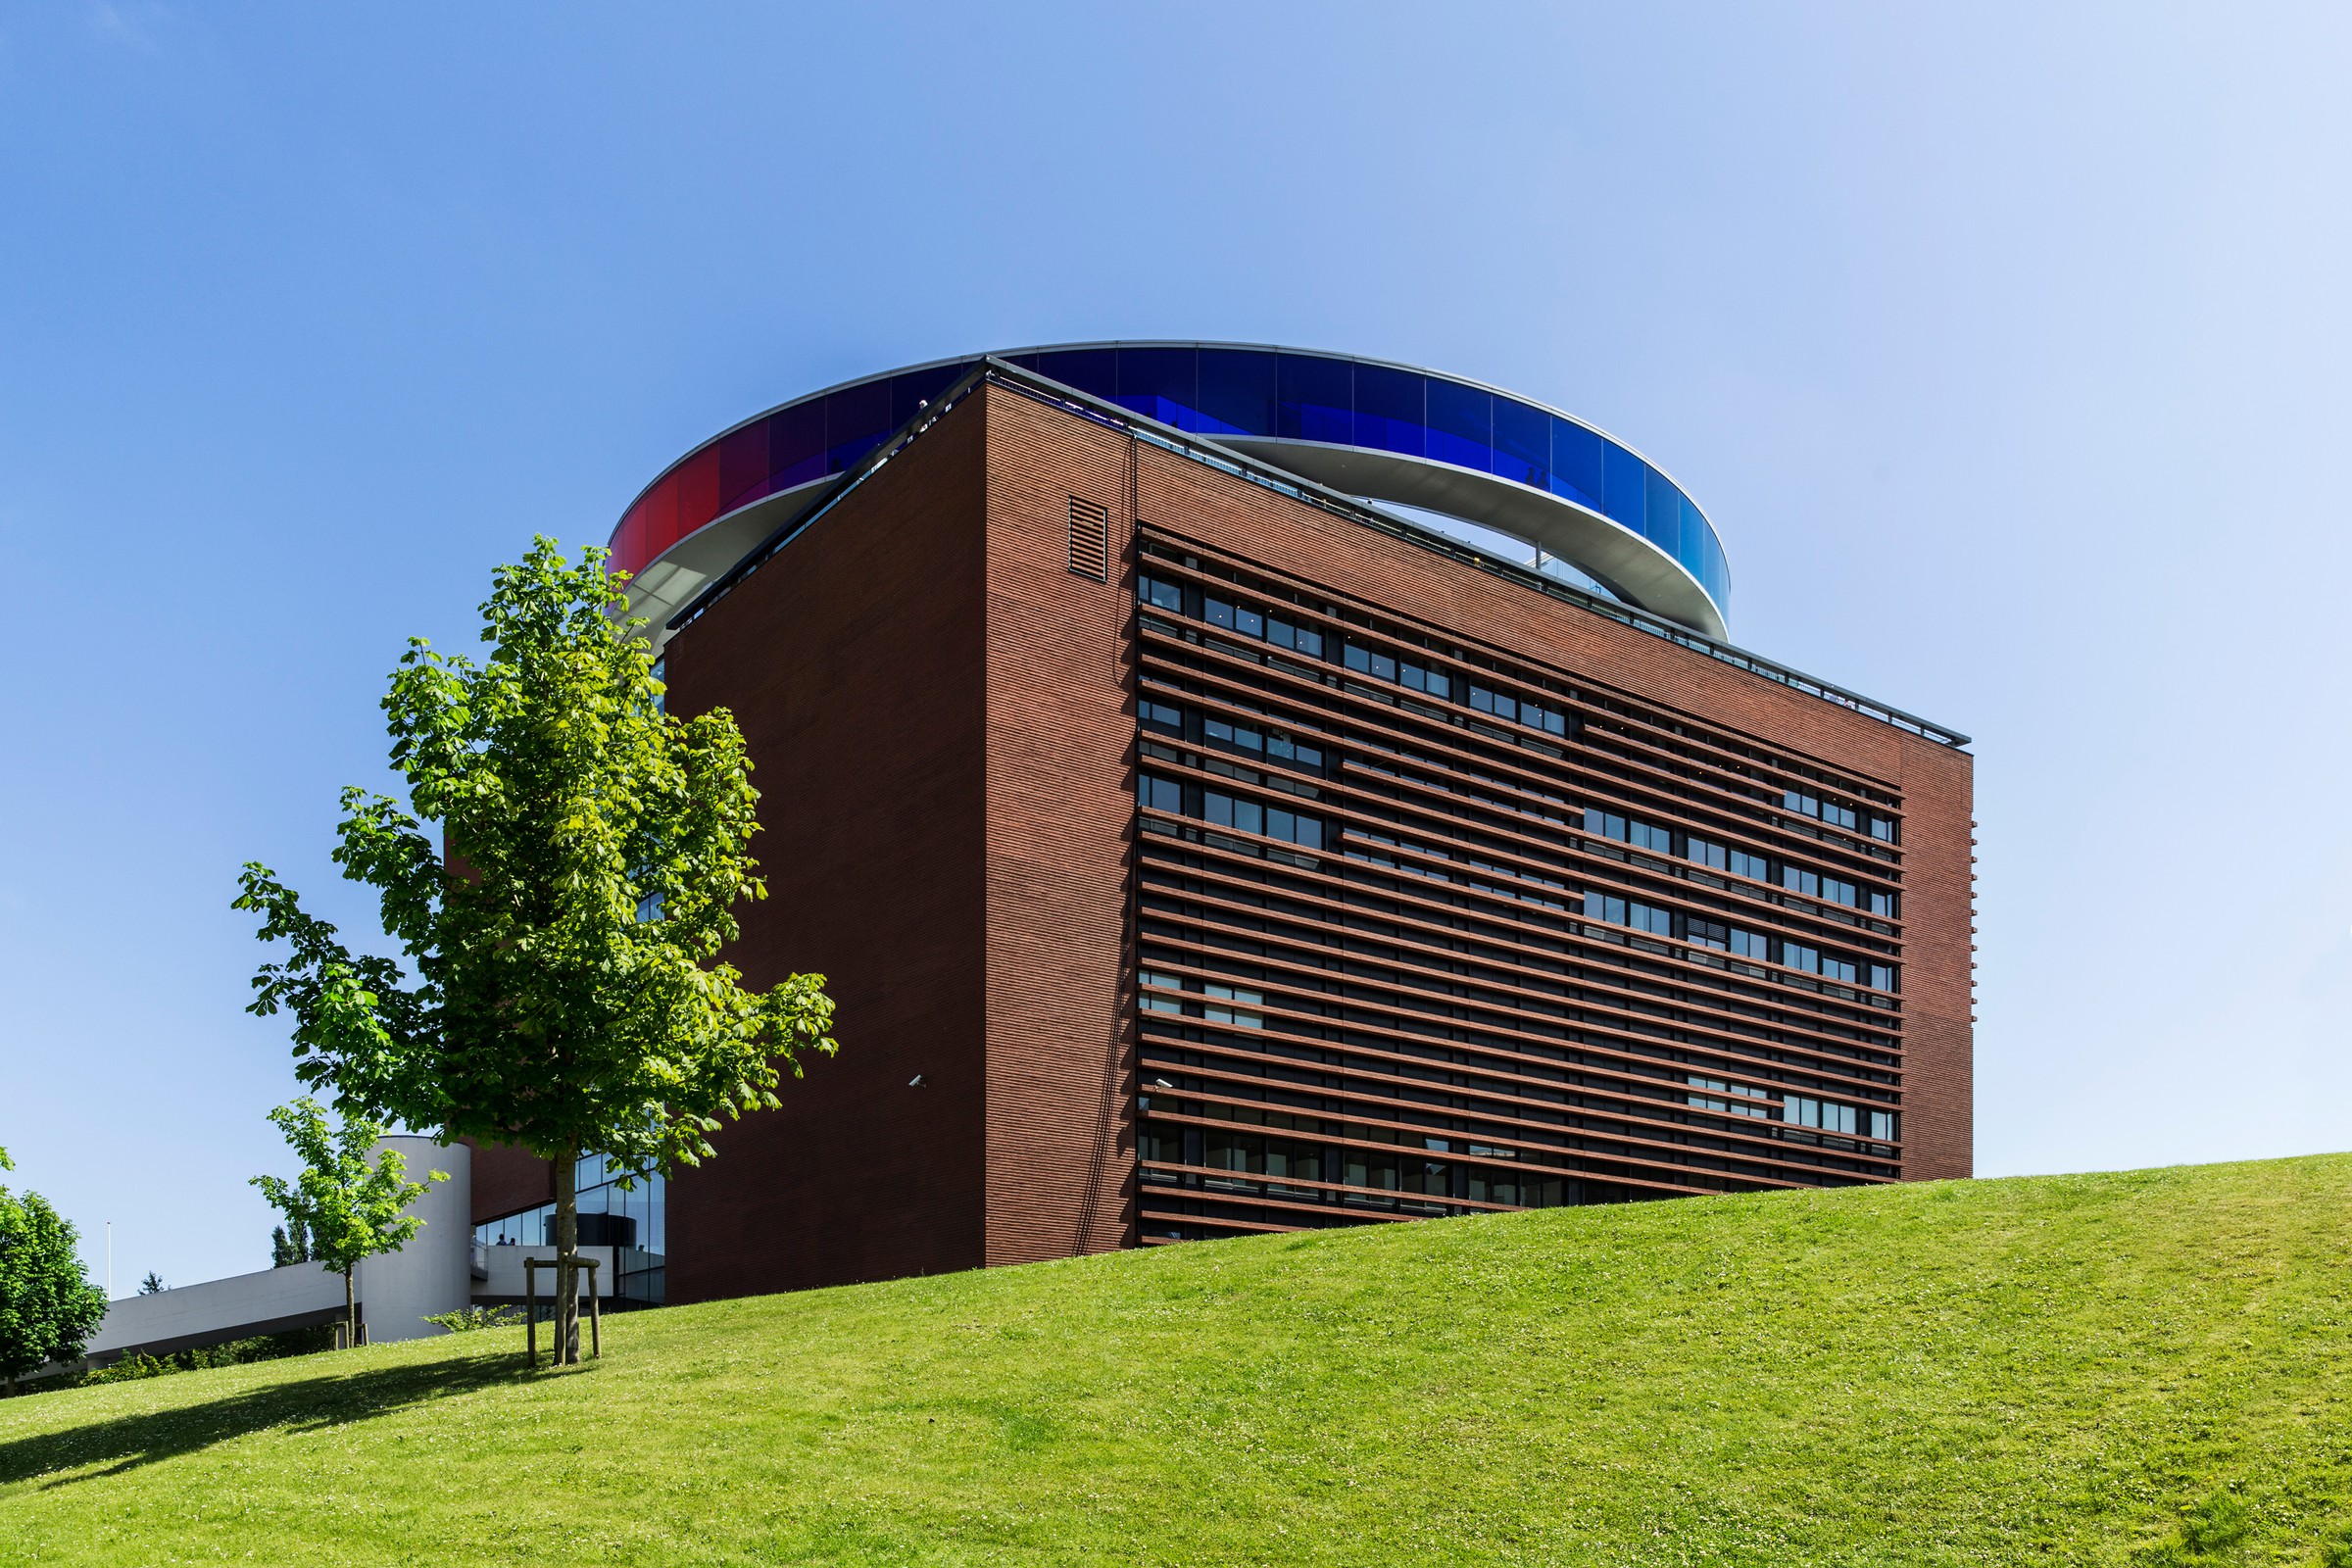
{"x":1388,"y":409}
{"x":1663,"y":523}
{"x":1094,"y":371}
{"x":1691,"y":550}
{"x":1160,"y":384}
{"x":1236,"y":392}
{"x":1625,"y":485}
{"x":1462,"y":425}
{"x":1578,"y":464}
{"x":796,"y":444}
{"x":856,"y":418}
{"x":1315,"y":398}
{"x":1522,"y":443}
{"x":911,"y":391}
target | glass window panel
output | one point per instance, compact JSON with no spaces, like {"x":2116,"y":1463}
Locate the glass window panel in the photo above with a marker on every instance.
{"x":1522,"y":443}
{"x":1625,"y":485}
{"x":1389,"y":413}
{"x":1091,"y":370}
{"x":743,"y":465}
{"x":1315,"y":399}
{"x":697,"y":489}
{"x":662,"y":515}
{"x":1691,"y":544}
{"x":796,"y":444}
{"x":1578,"y":464}
{"x":1237,"y":391}
{"x":1462,"y":425}
{"x":911,"y":391}
{"x":1662,"y":520}
{"x":856,"y":418}
{"x":1160,"y":384}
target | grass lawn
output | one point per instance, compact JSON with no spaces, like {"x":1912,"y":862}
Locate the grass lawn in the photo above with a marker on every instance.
{"x":2035,"y":1371}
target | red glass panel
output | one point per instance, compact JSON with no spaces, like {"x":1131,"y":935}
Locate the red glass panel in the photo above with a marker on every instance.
{"x":698,"y":490}
{"x":662,"y":515}
{"x":629,"y":542}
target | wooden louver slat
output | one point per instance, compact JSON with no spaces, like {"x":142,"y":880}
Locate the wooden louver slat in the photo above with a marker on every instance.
{"x":1089,"y":539}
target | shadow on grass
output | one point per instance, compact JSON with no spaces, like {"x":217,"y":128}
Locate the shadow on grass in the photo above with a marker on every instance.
{"x":331,"y":1399}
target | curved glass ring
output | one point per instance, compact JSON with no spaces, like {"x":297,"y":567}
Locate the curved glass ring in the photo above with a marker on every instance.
{"x":1365,"y":426}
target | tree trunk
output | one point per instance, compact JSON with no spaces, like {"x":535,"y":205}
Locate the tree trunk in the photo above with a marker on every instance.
{"x":351,"y":1313}
{"x":568,"y":1248}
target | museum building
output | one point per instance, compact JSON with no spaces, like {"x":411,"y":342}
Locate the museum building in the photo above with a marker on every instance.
{"x":1235,"y":789}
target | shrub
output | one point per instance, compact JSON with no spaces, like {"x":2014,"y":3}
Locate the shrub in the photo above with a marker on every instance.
{"x":467,"y":1319}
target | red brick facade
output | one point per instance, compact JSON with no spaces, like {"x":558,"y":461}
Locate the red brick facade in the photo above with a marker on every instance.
{"x":944,"y":718}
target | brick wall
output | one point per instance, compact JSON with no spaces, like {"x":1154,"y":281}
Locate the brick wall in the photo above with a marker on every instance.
{"x":1061,"y":809}
{"x":853,"y":664}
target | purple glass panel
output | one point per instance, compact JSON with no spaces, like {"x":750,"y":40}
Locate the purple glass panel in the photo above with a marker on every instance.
{"x":796,"y":445}
{"x":856,"y":418}
{"x":911,"y":391}
{"x":742,"y":466}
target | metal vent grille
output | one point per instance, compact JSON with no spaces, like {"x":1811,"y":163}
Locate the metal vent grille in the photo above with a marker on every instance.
{"x":1089,"y":539}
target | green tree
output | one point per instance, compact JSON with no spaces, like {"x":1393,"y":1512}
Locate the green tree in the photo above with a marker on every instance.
{"x":350,"y":1203}
{"x":289,"y":1244}
{"x":152,"y":1285}
{"x":568,"y":996}
{"x":48,"y":1308}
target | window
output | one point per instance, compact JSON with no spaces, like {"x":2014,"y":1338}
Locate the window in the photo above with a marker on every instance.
{"x":1702,"y":852}
{"x":1757,"y":867}
{"x":1796,"y":956}
{"x":1882,"y":1125}
{"x":1882,"y":904}
{"x":1300,"y":639}
{"x":1155,"y":794}
{"x":1370,"y":661}
{"x":1838,"y":970}
{"x":1883,"y":828}
{"x":1436,"y":683}
{"x":1298,"y":755}
{"x":1232,"y":1005}
{"x":1707,"y":934}
{"x":1880,"y":977}
{"x":1268,"y":821}
{"x":1159,"y":595}
{"x":1159,"y":716}
{"x":1167,"y":982}
{"x":1628,"y":830}
{"x":1629,"y":912}
{"x":1752,"y":944}
{"x":1712,"y":1092}
{"x":1642,"y":836}
{"x":1232,"y":737}
{"x":1829,"y":1118}
{"x":1500,"y":704}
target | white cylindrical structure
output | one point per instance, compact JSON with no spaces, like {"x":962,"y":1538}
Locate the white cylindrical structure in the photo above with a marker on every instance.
{"x":434,"y":1272}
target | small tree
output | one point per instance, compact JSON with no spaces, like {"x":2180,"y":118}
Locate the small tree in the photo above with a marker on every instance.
{"x":152,"y":1285}
{"x":289,"y":1244}
{"x":349,"y":1203}
{"x":569,"y":997}
{"x":48,"y":1308}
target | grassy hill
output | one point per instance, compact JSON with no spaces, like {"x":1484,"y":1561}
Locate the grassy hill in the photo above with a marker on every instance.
{"x":2147,"y":1367}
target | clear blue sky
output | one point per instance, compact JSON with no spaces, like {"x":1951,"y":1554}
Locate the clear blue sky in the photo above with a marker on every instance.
{"x":2006,"y":347}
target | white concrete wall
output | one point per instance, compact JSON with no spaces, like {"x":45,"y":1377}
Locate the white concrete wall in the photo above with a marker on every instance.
{"x":434,"y":1272}
{"x":292,"y":1297}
